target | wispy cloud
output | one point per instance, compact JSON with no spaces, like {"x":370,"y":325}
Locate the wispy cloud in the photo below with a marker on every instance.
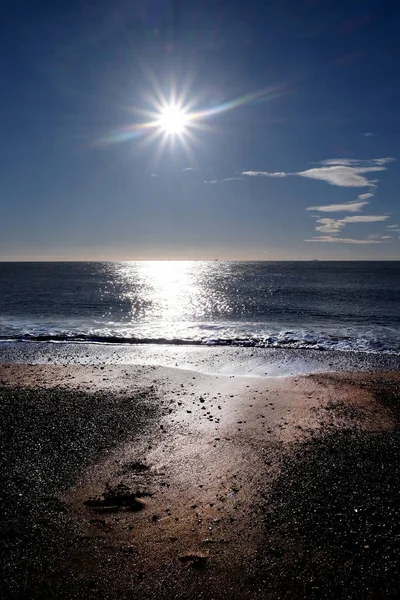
{"x":189,"y":169}
{"x":392,"y":226}
{"x":333,"y":239}
{"x":349,"y":172}
{"x":266,"y":174}
{"x":368,"y":134}
{"x":213,"y":181}
{"x":365,"y":196}
{"x":154,"y":175}
{"x":327,"y":225}
{"x":346,"y":207}
{"x":356,"y":162}
{"x":343,"y":172}
{"x":342,"y":176}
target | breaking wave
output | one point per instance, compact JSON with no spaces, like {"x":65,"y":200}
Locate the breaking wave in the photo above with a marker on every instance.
{"x":365,"y":342}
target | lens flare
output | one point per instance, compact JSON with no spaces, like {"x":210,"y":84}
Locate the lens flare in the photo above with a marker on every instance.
{"x":176,"y":117}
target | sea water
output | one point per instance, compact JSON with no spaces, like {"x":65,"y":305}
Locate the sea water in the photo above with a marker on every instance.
{"x":320,"y":305}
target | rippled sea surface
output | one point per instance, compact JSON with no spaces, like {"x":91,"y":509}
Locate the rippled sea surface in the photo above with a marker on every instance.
{"x":322,"y":305}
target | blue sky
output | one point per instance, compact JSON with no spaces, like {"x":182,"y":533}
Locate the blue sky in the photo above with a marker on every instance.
{"x":290,"y":151}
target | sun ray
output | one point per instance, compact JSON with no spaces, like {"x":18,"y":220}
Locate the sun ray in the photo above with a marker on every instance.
{"x":176,"y":116}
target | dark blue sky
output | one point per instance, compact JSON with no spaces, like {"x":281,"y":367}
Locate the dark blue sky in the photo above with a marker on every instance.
{"x":292,"y":153}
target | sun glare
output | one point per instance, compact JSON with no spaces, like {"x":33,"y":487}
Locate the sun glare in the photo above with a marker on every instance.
{"x":172,"y":117}
{"x":173,"y":120}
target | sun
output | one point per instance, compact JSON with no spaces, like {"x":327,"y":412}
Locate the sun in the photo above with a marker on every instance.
{"x":173,"y":120}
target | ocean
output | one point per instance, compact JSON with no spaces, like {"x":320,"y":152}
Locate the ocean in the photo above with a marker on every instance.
{"x":319,"y":304}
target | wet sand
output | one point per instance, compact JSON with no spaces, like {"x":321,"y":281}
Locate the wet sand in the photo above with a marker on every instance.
{"x":123,"y":481}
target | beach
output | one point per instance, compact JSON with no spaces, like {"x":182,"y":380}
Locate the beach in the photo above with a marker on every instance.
{"x":200,"y":301}
{"x":148,"y":480}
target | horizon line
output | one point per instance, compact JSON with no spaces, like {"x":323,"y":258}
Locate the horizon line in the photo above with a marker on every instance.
{"x":8,"y":261}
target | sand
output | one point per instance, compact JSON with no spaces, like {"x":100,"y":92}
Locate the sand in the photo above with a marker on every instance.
{"x":124,"y":481}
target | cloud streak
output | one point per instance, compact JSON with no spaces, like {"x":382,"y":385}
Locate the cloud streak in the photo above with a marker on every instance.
{"x":348,"y":173}
{"x":330,"y":239}
{"x":328,"y":225}
{"x":343,"y":176}
{"x":365,"y":196}
{"x":266,"y":174}
{"x":214,"y":181}
{"x":356,"y":162}
{"x":345,"y":207}
{"x":342,"y":172}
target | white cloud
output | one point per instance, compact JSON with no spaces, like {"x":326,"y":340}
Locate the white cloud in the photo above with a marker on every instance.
{"x":188,"y":169}
{"x":154,"y":175}
{"x":266,"y":174}
{"x":368,"y":134}
{"x":342,"y":176}
{"x":327,"y":225}
{"x":343,"y":172}
{"x":346,"y":207}
{"x":347,"y":173}
{"x":213,"y":181}
{"x":355,"y":162}
{"x":365,"y":219}
{"x":392,"y":226}
{"x":333,"y":239}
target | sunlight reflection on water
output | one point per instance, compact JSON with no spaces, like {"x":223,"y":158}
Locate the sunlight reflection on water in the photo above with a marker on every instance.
{"x":171,"y":291}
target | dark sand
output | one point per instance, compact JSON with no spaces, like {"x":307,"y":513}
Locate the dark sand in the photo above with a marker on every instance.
{"x":153,"y":482}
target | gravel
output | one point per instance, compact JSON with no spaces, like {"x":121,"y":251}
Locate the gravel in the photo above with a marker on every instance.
{"x":332,"y":521}
{"x":47,"y":437}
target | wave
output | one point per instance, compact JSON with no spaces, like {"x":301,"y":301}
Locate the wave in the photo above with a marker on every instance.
{"x":285,"y":339}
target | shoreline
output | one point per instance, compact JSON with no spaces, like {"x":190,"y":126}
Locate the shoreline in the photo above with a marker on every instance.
{"x":188,"y":484}
{"x":210,"y":360}
{"x":238,"y":342}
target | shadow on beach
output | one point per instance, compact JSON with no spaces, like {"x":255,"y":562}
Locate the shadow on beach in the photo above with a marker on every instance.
{"x":332,"y":526}
{"x":47,"y":438}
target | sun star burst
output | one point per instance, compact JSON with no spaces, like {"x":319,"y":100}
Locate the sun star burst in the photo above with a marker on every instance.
{"x":173,"y":120}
